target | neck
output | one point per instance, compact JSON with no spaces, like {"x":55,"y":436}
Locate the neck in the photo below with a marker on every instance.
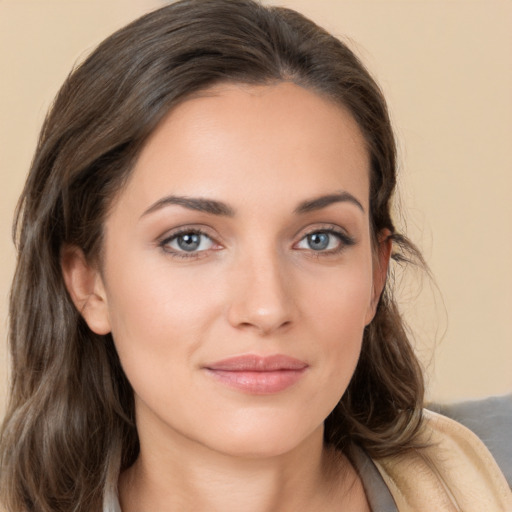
{"x":191,"y":477}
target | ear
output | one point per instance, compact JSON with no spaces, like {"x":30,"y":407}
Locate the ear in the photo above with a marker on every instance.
{"x":380,"y":270}
{"x":85,"y":286}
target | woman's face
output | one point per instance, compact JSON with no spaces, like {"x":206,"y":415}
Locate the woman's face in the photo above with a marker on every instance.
{"x":238,"y":272}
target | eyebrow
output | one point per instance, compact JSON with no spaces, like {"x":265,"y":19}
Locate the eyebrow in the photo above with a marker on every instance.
{"x":193,"y":203}
{"x":324,"y":201}
{"x":215,"y":207}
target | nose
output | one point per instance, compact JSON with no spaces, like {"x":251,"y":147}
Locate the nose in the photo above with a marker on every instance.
{"x":261,"y":299}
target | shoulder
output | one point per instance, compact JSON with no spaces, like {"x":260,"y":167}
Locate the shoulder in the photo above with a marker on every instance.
{"x":454,"y":472}
{"x":491,"y":420}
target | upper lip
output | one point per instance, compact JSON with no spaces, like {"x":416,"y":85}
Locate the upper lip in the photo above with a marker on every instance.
{"x":256,"y":363}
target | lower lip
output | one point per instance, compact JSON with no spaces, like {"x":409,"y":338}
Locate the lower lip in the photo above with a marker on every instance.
{"x":261,"y":382}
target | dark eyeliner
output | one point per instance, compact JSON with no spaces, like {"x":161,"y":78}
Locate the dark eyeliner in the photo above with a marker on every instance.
{"x":163,"y":243}
{"x":345,"y":240}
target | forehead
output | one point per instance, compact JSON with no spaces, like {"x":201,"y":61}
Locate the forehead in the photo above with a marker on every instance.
{"x":253,"y":139}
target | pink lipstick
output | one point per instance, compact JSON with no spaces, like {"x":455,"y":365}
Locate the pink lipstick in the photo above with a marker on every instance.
{"x":257,"y":374}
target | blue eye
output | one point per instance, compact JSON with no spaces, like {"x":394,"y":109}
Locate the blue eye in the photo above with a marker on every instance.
{"x":325,"y":241}
{"x":319,"y":241}
{"x":189,"y":242}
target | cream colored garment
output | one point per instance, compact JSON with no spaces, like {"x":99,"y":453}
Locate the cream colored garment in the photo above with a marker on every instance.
{"x":455,"y":473}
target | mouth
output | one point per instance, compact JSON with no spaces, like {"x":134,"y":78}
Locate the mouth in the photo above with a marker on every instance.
{"x":258,"y":375}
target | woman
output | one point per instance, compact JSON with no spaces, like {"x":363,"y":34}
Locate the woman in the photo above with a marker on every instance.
{"x":200,"y":318}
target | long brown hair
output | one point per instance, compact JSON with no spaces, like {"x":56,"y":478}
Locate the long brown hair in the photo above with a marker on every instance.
{"x":69,"y":427}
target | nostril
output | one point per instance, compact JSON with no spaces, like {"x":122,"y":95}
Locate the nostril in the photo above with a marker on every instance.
{"x":264,"y":328}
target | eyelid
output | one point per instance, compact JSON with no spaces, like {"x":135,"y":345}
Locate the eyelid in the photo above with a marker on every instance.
{"x":163,"y":241}
{"x":325,"y":227}
{"x":346,"y":240}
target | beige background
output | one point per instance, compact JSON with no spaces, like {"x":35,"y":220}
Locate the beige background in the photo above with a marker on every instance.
{"x":446,"y":69}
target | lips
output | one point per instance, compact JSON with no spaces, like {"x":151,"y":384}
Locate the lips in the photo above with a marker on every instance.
{"x":258,"y":375}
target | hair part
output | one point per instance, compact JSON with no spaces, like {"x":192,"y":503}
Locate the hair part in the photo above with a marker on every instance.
{"x":69,"y":427}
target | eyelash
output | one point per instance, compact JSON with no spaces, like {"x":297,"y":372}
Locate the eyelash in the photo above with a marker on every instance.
{"x":345,"y":241}
{"x":164,"y":244}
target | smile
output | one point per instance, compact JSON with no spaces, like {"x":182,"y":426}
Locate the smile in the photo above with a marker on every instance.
{"x":258,"y":375}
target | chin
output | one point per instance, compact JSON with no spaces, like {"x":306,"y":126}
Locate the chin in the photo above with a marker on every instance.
{"x":260,"y":441}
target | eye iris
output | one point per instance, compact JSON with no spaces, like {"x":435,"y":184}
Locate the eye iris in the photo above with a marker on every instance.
{"x":318,"y":241}
{"x":189,"y":242}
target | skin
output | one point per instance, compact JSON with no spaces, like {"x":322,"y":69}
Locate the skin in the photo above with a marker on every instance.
{"x":255,"y":285}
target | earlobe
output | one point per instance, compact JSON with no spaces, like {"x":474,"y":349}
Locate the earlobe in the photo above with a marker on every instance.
{"x":85,"y":286}
{"x":380,"y":270}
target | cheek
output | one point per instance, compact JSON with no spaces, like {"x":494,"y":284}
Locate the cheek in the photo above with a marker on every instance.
{"x":157,"y":318}
{"x":339,"y":303}
{"x":338,"y":313}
